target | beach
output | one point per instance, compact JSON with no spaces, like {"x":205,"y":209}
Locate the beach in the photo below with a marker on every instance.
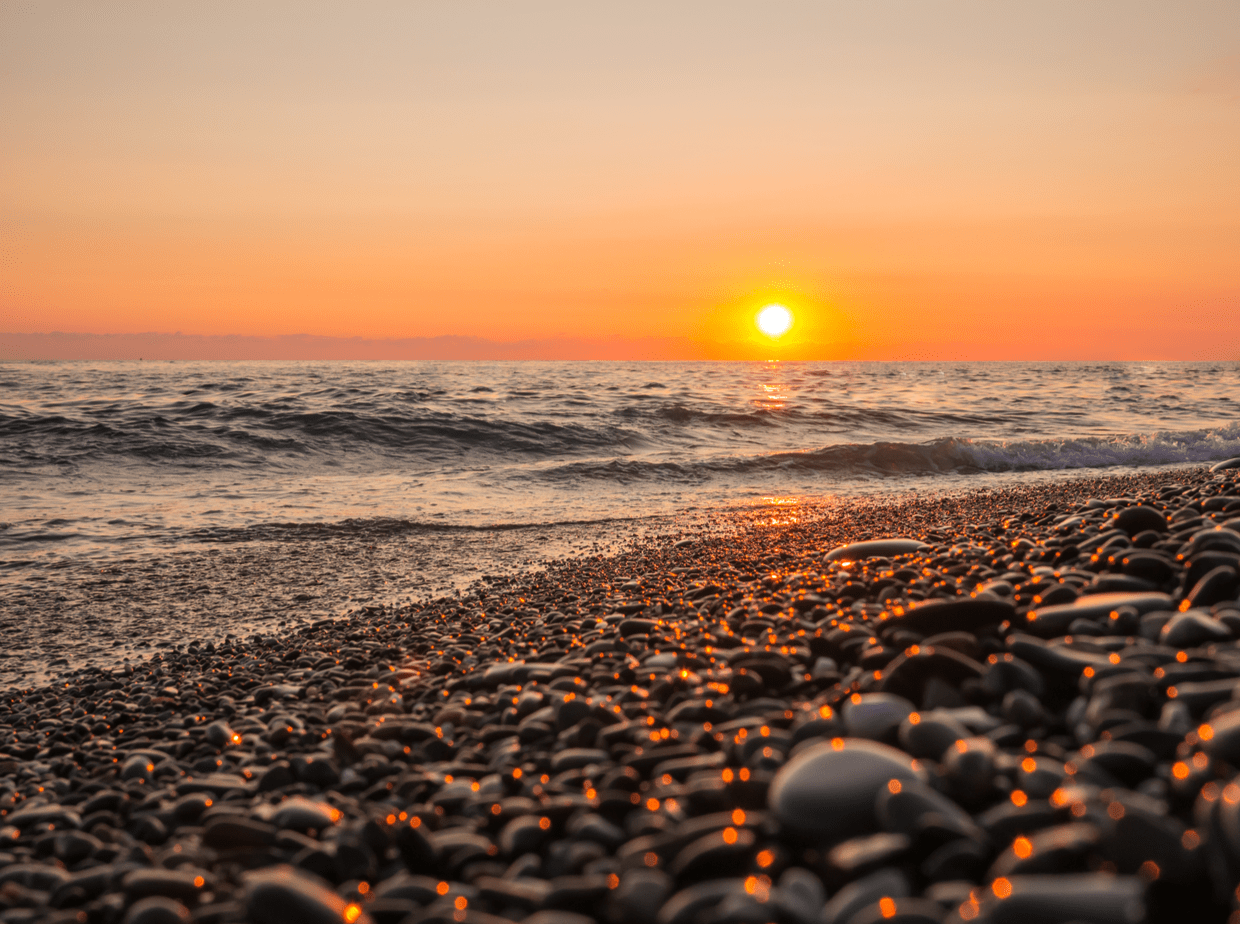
{"x":561,"y":462}
{"x":1029,"y":716}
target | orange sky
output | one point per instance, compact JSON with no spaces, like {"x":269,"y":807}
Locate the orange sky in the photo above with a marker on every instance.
{"x":963,"y":180}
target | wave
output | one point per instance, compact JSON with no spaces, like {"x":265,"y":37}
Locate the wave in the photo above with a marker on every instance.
{"x":822,"y":415}
{"x":356,"y":528}
{"x":199,"y":433}
{"x":947,"y":455}
{"x":204,"y":434}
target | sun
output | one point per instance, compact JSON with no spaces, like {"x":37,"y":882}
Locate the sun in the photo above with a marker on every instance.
{"x":774,"y":320}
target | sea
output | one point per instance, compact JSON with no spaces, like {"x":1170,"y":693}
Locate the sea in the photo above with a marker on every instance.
{"x":163,"y":500}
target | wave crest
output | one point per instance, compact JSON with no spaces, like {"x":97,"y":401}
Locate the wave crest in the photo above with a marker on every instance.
{"x":950,"y":454}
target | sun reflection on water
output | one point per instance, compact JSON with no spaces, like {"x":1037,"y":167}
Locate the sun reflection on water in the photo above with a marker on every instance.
{"x":783,"y":511}
{"x":773,"y":389}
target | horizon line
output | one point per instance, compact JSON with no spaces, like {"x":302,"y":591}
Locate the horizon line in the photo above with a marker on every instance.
{"x":161,"y":346}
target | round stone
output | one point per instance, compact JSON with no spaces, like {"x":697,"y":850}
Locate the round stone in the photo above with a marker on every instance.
{"x":1139,"y":518}
{"x":875,"y":716}
{"x":827,"y":792}
{"x":301,"y":815}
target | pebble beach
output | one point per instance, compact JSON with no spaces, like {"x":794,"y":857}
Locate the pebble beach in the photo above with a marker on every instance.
{"x":1006,"y":705}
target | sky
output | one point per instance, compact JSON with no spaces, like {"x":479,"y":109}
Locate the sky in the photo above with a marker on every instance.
{"x":932,"y":180}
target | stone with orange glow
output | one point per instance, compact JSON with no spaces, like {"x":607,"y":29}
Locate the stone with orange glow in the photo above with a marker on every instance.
{"x":1194,"y":626}
{"x":301,"y":815}
{"x":969,"y":615}
{"x":827,"y":792}
{"x":913,"y":808}
{"x":185,"y":885}
{"x":928,"y":734}
{"x":1048,"y":622}
{"x":888,"y":883}
{"x":727,"y":852}
{"x":284,"y":894}
{"x":1138,"y":518}
{"x":1066,"y":897}
{"x":864,"y":853}
{"x":869,"y":549}
{"x":1051,"y":850}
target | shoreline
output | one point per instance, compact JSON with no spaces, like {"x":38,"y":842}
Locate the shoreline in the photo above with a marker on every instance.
{"x":583,"y":738}
{"x":67,"y":611}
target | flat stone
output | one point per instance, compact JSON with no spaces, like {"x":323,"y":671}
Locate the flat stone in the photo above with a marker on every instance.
{"x":904,"y":909}
{"x":1053,"y":621}
{"x":1059,"y":848}
{"x":527,"y":892}
{"x":1061,"y":898}
{"x":237,"y":832}
{"x":47,"y":814}
{"x":183,"y":885}
{"x":869,"y":549}
{"x":218,"y":784}
{"x":967,"y":615}
{"x":34,"y":876}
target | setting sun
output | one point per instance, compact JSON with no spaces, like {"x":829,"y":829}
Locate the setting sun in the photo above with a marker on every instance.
{"x":774,"y":320}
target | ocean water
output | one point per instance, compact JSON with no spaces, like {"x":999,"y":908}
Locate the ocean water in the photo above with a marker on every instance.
{"x":98,"y":457}
{"x":488,"y":466}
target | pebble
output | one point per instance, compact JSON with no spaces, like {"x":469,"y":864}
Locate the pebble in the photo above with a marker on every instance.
{"x":282,"y":894}
{"x":874,"y":548}
{"x":1139,"y":518}
{"x":827,"y":792}
{"x":1061,"y":897}
{"x":1026,"y":708}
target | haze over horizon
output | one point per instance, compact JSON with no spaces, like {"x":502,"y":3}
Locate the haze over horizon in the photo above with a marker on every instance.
{"x":955,"y":180}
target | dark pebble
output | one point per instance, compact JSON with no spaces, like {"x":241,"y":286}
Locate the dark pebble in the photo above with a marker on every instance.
{"x":283,"y":894}
{"x":828,"y":791}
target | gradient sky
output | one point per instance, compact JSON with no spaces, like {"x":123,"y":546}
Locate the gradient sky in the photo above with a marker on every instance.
{"x":915,"y":180}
